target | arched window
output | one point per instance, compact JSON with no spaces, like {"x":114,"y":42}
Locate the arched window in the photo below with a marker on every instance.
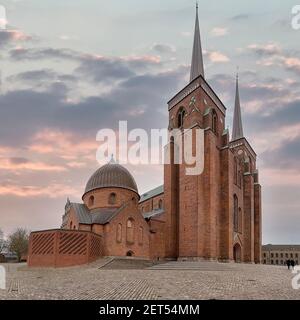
{"x":74,"y":228}
{"x":240,"y":220}
{"x":180,"y":117}
{"x":91,"y":201}
{"x":214,"y":122}
{"x":112,"y":198}
{"x":141,"y":235}
{"x":130,"y":231}
{"x":119,"y":233}
{"x":235,"y":213}
{"x":160,"y":204}
{"x":235,"y":171}
{"x":71,"y":224}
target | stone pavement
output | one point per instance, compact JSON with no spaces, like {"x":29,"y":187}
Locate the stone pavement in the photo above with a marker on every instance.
{"x":174,"y":280}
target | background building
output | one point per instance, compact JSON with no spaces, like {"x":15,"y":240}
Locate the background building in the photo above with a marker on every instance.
{"x":278,"y":254}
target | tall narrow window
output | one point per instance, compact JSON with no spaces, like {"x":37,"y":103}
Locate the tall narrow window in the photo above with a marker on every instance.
{"x":130,"y":231}
{"x":235,"y":213}
{"x":235,"y":171}
{"x":180,"y":117}
{"x":112,"y":198}
{"x":160,"y":204}
{"x":240,"y":221}
{"x":141,"y":235}
{"x":119,"y":233}
{"x":91,"y":201}
{"x":214,"y":122}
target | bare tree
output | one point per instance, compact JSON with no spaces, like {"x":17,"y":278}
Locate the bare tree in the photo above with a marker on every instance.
{"x":18,"y":242}
{"x":2,"y":241}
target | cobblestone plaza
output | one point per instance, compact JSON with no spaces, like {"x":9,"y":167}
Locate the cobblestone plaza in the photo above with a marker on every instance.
{"x":174,"y":280}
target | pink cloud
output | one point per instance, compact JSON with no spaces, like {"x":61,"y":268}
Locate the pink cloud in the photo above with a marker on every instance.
{"x":17,"y":164}
{"x":51,"y":191}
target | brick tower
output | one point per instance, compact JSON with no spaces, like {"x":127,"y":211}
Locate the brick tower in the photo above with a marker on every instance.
{"x":215,"y":214}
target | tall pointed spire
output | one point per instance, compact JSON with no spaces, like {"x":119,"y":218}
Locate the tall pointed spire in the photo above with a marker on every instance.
{"x":237,"y":131}
{"x":197,"y":68}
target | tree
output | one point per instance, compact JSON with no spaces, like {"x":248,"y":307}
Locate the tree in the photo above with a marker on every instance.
{"x":18,"y":242}
{"x":2,"y":241}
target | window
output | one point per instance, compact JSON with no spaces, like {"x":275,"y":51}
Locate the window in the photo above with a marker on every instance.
{"x":276,"y":261}
{"x":264,"y":255}
{"x":71,"y":224}
{"x":281,"y":255}
{"x":74,"y":228}
{"x":160,"y":204}
{"x":112,"y":198}
{"x":141,"y":235}
{"x":272,"y":255}
{"x":214,"y":122}
{"x":272,"y":262}
{"x":292,"y":255}
{"x":265,"y":261}
{"x":180,"y":117}
{"x":119,"y":233}
{"x":276,"y":255}
{"x":235,"y":214}
{"x":240,"y":221}
{"x":235,"y":171}
{"x":281,"y":261}
{"x":296,"y":255}
{"x":91,"y":201}
{"x":130,"y":231}
{"x":286,"y":255}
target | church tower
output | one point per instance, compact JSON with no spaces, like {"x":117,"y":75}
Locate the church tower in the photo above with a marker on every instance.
{"x":192,"y":201}
{"x":215,"y":214}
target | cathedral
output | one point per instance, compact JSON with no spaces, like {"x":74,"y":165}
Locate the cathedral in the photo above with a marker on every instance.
{"x":215,"y":215}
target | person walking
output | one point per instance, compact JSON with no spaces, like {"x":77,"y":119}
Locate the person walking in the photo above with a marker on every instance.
{"x":293,"y":264}
{"x":288,"y":263}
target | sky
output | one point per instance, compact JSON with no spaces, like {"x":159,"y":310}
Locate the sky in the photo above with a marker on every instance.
{"x":72,"y":67}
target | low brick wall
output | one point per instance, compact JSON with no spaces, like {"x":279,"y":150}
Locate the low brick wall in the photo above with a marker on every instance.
{"x":63,"y":248}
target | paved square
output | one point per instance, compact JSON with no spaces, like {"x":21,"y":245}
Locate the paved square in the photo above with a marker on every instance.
{"x":174,"y":280}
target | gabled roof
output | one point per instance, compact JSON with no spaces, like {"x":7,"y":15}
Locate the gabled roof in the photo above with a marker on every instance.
{"x":97,"y":216}
{"x":152,"y":193}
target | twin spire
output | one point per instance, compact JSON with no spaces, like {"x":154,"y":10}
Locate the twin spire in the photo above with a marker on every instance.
{"x":197,"y":69}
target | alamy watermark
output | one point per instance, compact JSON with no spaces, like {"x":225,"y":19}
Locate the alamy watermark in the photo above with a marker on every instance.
{"x":296,"y":17}
{"x":296,"y":278}
{"x":3,"y":18}
{"x":137,"y":146}
{"x":2,"y":278}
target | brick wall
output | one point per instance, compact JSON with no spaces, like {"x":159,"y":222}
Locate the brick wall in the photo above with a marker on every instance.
{"x":63,"y":248}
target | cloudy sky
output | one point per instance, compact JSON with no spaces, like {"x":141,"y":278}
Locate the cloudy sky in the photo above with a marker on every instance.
{"x":72,"y":67}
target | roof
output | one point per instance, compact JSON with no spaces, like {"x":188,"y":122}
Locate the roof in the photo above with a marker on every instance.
{"x":111,"y":175}
{"x":96,"y":216}
{"x":290,"y":247}
{"x":152,"y":193}
{"x":197,"y":68}
{"x":237,"y":130}
{"x":154,"y":213}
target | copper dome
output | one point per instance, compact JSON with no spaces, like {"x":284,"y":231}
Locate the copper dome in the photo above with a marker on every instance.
{"x":111,"y":175}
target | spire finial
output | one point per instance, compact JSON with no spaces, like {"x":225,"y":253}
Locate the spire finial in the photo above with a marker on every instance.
{"x":197,"y":67}
{"x":112,"y":159}
{"x":197,"y":5}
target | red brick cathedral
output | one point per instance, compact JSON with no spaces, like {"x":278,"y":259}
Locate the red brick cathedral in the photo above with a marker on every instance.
{"x":213,"y":215}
